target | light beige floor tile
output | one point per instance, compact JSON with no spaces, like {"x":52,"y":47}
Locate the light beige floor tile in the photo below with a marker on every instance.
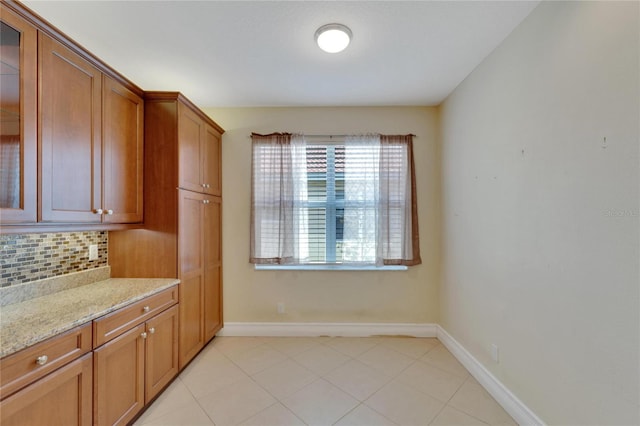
{"x":284,"y":378}
{"x":364,"y":416}
{"x":438,"y":383}
{"x":320,"y":403}
{"x":173,"y":398}
{"x":473,"y":400}
{"x":205,"y":375}
{"x":404,"y":405}
{"x":236,"y":403}
{"x":451,"y":417}
{"x":352,"y":346}
{"x":413,"y":347}
{"x":190,"y":414}
{"x":231,"y":346}
{"x":443,"y":359}
{"x":293,"y":345}
{"x":276,"y":415}
{"x":385,"y":360}
{"x":258,"y":359}
{"x":357,"y":379}
{"x":321,"y":359}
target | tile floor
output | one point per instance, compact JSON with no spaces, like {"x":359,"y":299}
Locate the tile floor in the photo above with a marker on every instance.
{"x":279,"y":381}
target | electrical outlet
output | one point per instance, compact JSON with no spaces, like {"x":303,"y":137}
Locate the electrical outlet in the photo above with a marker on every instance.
{"x":281,"y":307}
{"x":93,"y":252}
{"x":495,"y":353}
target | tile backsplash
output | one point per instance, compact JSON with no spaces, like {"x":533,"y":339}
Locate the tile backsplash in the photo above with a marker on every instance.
{"x":29,"y":257}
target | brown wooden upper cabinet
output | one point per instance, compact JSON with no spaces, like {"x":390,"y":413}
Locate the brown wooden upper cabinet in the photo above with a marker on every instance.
{"x":18,"y":118}
{"x":71,"y":133}
{"x":91,"y":141}
{"x":199,"y":152}
{"x":123,"y":156}
{"x":70,"y":148}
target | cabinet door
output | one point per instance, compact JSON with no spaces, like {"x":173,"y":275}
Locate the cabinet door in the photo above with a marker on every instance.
{"x":118,"y":378}
{"x":161,"y":359}
{"x":122,"y":139}
{"x":70,"y":135}
{"x":190,"y":134}
{"x":213,"y":268}
{"x":191,"y":273}
{"x":211,"y":167}
{"x":64,"y":397}
{"x":18,"y":119}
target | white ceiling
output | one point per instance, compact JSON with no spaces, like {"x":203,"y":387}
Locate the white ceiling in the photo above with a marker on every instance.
{"x":262,"y":53}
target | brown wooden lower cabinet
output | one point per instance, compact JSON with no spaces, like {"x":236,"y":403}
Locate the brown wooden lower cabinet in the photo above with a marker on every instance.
{"x":63,"y":397}
{"x":161,"y":353}
{"x":149,"y":350}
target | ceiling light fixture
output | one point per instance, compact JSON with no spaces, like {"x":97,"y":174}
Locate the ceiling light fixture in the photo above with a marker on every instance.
{"x":333,"y":38}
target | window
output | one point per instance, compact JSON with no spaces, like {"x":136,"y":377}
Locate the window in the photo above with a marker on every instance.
{"x":317,"y":201}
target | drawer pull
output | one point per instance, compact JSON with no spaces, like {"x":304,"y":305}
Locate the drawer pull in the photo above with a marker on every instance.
{"x":42,"y":360}
{"x":143,"y":335}
{"x":98,"y":211}
{"x":145,"y":309}
{"x":152,"y":330}
{"x":109,"y":211}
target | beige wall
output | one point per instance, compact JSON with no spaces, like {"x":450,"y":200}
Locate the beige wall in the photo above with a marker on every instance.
{"x":327,"y":296}
{"x":541,"y":216}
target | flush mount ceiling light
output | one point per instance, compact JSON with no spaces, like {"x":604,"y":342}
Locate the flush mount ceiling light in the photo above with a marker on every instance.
{"x":333,"y":38}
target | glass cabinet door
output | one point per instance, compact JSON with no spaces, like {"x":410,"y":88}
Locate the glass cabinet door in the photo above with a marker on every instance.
{"x":18,"y":119}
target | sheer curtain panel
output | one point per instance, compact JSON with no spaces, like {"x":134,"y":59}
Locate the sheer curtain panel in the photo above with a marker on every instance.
{"x":279,"y":230}
{"x":398,"y":239}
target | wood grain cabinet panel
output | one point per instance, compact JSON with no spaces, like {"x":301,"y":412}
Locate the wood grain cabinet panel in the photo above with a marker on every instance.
{"x":161,"y":352}
{"x":18,"y":120}
{"x":211,"y":166}
{"x":70,"y":148}
{"x":191,"y":270}
{"x":63,"y":397}
{"x":118,"y":379}
{"x":190,"y":136}
{"x":212,"y":241}
{"x":123,"y":149}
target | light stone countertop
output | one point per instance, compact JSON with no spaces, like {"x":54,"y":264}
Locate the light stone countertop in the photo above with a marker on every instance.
{"x":32,"y":321}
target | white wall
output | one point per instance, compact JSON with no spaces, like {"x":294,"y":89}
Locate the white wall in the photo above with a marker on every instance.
{"x":328,"y":296}
{"x":541,"y":216}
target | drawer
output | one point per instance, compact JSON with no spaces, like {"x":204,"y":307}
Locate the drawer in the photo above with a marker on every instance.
{"x":22,"y":368}
{"x":114,"y":324}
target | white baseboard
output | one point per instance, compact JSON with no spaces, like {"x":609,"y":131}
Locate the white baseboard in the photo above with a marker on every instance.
{"x":311,"y":329}
{"x":511,"y":404}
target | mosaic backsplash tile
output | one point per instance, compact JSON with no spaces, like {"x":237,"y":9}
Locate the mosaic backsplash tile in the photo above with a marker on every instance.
{"x":29,"y":257}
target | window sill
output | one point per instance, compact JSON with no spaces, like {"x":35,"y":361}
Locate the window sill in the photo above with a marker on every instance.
{"x":326,"y":267}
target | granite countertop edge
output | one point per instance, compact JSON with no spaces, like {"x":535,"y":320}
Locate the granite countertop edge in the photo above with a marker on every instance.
{"x":30,"y":322}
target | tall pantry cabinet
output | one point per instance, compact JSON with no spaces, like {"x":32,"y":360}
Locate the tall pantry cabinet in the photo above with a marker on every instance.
{"x":182,"y":233}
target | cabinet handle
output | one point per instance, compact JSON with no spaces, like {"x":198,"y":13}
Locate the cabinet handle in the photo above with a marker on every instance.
{"x":145,"y":309}
{"x":109,"y":211}
{"x":143,"y":335}
{"x":152,"y":330}
{"x":98,"y":211}
{"x":208,"y":186}
{"x":205,"y":201}
{"x":204,"y":185}
{"x":42,"y":360}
